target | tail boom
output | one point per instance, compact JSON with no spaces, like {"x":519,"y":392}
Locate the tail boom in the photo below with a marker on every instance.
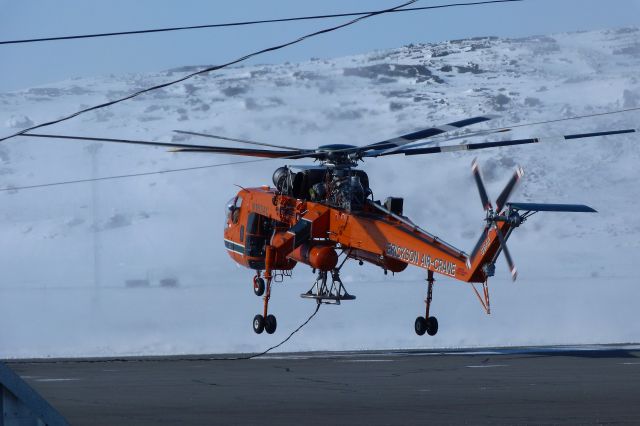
{"x":487,"y":251}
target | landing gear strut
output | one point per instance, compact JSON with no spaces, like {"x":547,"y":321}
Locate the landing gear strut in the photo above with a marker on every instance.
{"x":265,"y":322}
{"x":427,"y":324}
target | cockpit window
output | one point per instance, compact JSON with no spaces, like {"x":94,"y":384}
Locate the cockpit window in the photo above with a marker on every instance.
{"x":233,"y":210}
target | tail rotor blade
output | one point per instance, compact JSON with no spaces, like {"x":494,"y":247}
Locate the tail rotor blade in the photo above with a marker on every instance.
{"x":508,"y":189}
{"x":475,"y":169}
{"x":507,"y":255}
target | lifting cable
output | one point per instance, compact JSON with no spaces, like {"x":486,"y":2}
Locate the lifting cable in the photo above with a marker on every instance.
{"x":242,"y":23}
{"x":272,"y":347}
{"x":92,"y":361}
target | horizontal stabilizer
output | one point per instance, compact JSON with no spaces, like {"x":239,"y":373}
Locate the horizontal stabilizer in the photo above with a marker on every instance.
{"x":541,"y":207}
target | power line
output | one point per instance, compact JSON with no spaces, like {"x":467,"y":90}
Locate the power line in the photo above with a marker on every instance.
{"x":241,"y":59}
{"x":130,"y":175}
{"x":297,"y":156}
{"x":557,"y":120}
{"x":207,"y":70}
{"x":243,"y":23}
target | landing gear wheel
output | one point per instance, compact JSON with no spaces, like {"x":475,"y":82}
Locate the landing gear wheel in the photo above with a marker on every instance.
{"x":432,"y":326}
{"x":270,"y":324}
{"x":258,"y":286}
{"x":258,"y":323}
{"x":420,"y":326}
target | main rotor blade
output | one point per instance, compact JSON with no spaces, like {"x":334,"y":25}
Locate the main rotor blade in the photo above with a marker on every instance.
{"x":388,"y":146}
{"x":443,"y":138}
{"x":264,"y":153}
{"x":508,"y":189}
{"x":224,"y":138}
{"x":507,"y":255}
{"x":483,"y":145}
{"x":475,"y":169}
{"x":187,"y":147}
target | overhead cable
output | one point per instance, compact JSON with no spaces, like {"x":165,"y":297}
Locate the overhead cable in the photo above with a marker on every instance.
{"x":207,"y":70}
{"x":130,"y":175}
{"x":243,"y":23}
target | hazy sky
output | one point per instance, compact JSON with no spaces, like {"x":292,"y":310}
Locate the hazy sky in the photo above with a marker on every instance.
{"x":38,"y":64}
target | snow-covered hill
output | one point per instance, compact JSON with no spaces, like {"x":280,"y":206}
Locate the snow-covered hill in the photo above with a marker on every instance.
{"x":576,"y":271}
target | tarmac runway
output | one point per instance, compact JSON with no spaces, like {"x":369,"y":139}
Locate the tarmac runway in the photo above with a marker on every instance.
{"x":541,"y":385}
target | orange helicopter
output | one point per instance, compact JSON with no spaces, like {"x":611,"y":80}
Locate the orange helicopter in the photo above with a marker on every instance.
{"x":324,"y":215}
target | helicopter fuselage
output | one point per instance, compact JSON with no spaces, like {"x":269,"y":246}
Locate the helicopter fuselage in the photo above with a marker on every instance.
{"x":316,"y":232}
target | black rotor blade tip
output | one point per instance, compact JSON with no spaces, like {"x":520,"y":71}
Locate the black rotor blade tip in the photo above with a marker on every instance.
{"x":508,"y":189}
{"x":507,"y":255}
{"x":484,"y":198}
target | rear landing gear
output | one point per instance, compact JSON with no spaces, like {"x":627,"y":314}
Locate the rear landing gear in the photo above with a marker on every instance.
{"x":427,"y":324}
{"x":432,"y":326}
{"x":420,"y":326}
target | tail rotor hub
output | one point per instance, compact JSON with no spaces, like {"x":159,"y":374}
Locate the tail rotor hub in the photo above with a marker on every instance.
{"x":493,"y":216}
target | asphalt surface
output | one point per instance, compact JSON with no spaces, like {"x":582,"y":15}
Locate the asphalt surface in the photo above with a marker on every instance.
{"x":578,"y":385}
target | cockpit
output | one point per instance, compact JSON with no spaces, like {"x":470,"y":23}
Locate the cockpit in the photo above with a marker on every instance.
{"x":246,"y":234}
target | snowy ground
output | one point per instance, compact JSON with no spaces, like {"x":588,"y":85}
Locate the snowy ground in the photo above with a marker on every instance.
{"x":576,"y":271}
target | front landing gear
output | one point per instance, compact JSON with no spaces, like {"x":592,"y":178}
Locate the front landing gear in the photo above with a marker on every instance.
{"x":427,"y":324}
{"x":270,"y":324}
{"x":265,"y":322}
{"x":258,"y":285}
{"x":258,"y":324}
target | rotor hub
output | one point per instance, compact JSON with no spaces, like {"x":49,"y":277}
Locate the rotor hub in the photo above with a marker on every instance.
{"x":338,"y":154}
